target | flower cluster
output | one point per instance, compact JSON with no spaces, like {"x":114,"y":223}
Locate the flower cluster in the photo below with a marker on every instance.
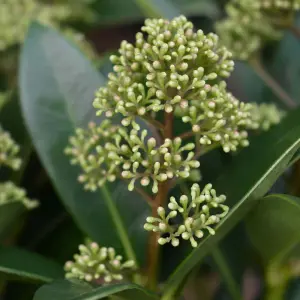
{"x":95,"y":263}
{"x":172,"y":68}
{"x":10,"y":193}
{"x":87,"y":150}
{"x":168,"y":65}
{"x":105,"y":152}
{"x":201,"y":212}
{"x":9,"y":151}
{"x":265,"y":116}
{"x":252,"y":23}
{"x":16,"y":16}
{"x":219,"y":118}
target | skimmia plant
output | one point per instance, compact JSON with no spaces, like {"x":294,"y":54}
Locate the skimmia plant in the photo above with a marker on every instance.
{"x":156,"y":160}
{"x":171,"y":73}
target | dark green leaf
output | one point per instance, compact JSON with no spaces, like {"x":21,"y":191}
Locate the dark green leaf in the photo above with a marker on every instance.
{"x":12,"y":121}
{"x":66,"y":290}
{"x":246,"y":85}
{"x":173,"y":8}
{"x":158,"y":8}
{"x":250,"y":176}
{"x":274,"y":226}
{"x":9,"y":213}
{"x":293,"y":290}
{"x":57,"y":89}
{"x":129,"y":11}
{"x":198,"y":8}
{"x":28,"y":266}
{"x":285,"y":63}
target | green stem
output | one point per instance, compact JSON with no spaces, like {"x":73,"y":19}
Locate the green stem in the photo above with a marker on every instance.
{"x":227,"y":276}
{"x":275,"y":292}
{"x":123,"y":235}
{"x":160,"y":200}
{"x":271,"y":83}
{"x":277,"y":279}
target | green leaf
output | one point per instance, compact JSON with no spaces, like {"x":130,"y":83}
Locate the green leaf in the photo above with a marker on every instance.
{"x":130,"y":11}
{"x":21,"y":264}
{"x":57,"y":89}
{"x":173,"y":8}
{"x":274,"y":226}
{"x":248,"y":178}
{"x":246,"y":84}
{"x":198,"y":8}
{"x":284,"y":64}
{"x":66,"y":290}
{"x":158,"y":8}
{"x":9,"y":213}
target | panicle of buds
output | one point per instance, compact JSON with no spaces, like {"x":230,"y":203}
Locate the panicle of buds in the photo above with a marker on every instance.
{"x":265,"y":116}
{"x":189,"y":217}
{"x":10,"y":193}
{"x":251,"y":24}
{"x":168,"y":64}
{"x":98,"y":264}
{"x":130,"y":155}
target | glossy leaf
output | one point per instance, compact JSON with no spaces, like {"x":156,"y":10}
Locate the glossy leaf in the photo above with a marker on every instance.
{"x":249,"y":177}
{"x":66,"y":290}
{"x":57,"y":89}
{"x":24,"y":265}
{"x":274,"y":226}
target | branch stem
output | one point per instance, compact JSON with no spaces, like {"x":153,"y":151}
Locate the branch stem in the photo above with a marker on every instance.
{"x":160,"y":200}
{"x":154,"y":122}
{"x":272,"y":84}
{"x":146,"y":196}
{"x":187,"y":135}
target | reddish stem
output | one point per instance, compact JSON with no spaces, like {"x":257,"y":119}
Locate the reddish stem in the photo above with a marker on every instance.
{"x":296,"y":31}
{"x":187,"y":134}
{"x":160,"y":200}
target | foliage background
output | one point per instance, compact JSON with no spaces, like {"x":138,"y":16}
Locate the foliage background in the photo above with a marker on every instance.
{"x":51,"y":231}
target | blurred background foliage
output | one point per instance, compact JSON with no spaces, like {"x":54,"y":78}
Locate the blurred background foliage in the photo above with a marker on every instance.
{"x":49,"y":230}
